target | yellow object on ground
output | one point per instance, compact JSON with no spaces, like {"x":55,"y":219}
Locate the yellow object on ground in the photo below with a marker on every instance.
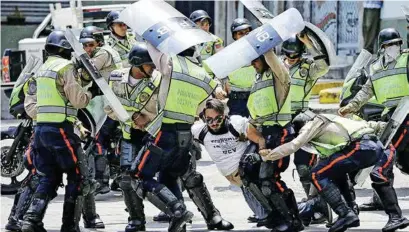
{"x":330,"y":95}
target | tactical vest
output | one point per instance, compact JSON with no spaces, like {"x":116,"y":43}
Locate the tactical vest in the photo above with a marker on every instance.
{"x":18,"y":95}
{"x":263,"y":105}
{"x":116,"y":62}
{"x":242,"y":79}
{"x":52,"y":106}
{"x":390,"y":84}
{"x":190,"y":85}
{"x":301,"y":86}
{"x":122,"y":49}
{"x":136,"y":99}
{"x":327,"y":144}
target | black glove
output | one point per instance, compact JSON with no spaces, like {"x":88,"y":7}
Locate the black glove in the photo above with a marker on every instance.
{"x":95,"y":90}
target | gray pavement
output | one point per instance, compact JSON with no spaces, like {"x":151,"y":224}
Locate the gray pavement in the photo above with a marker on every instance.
{"x":226,"y":197}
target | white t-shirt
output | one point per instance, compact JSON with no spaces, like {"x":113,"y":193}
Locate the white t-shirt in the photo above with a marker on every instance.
{"x":224,"y":149}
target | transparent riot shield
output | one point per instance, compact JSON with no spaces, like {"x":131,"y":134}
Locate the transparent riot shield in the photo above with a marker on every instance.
{"x":256,"y":43}
{"x":318,"y":37}
{"x":163,"y":26}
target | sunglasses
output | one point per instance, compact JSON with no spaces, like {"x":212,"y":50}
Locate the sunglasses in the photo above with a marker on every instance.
{"x":217,"y":119}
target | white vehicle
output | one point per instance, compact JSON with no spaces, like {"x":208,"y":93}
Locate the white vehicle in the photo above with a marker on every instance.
{"x":76,"y":17}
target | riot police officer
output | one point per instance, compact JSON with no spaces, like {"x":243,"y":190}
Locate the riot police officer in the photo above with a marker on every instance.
{"x":304,"y":74}
{"x":203,"y":20}
{"x":345,"y":146}
{"x":59,"y":95}
{"x":270,"y":109}
{"x":239,"y":82}
{"x":179,"y":101}
{"x":119,"y":39}
{"x":136,"y":89}
{"x":388,"y":83}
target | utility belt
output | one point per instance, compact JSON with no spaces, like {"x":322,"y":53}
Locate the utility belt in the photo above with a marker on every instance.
{"x":176,"y":127}
{"x":276,"y":129}
{"x":182,"y":131}
{"x":66,"y":125}
{"x":235,"y":95}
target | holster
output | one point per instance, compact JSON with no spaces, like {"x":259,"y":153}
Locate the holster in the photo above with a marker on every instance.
{"x":184,"y":138}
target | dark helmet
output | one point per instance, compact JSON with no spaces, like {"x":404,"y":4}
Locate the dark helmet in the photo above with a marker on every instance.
{"x":90,"y":34}
{"x":139,"y":55}
{"x":388,"y":36}
{"x":199,"y":15}
{"x":56,"y":40}
{"x":112,"y":17}
{"x":240,"y":24}
{"x":301,"y":119}
{"x":293,"y":47}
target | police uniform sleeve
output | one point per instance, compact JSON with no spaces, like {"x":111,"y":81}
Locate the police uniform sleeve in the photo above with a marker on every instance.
{"x":163,"y":64}
{"x":30,"y":105}
{"x":281,"y":74}
{"x":306,"y":134}
{"x":362,"y":97}
{"x":102,"y":59}
{"x":76,"y":95}
{"x":319,"y":66}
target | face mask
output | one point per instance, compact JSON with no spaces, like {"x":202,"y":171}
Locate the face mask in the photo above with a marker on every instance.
{"x":392,"y":52}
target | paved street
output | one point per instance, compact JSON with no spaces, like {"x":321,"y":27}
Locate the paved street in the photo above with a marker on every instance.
{"x":227,"y":198}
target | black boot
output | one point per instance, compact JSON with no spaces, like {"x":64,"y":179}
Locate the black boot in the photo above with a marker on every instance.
{"x":89,"y":214}
{"x":167,"y":202}
{"x":71,"y":214}
{"x":285,"y":223}
{"x":389,"y":199}
{"x":202,"y":199}
{"x":161,"y":217}
{"x":134,"y":204}
{"x":373,"y":205}
{"x":347,"y":218}
{"x":13,"y":224}
{"x":102,"y":174}
{"x":33,"y":219}
{"x":291,"y":203}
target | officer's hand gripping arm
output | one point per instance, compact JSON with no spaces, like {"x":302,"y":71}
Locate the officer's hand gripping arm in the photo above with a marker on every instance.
{"x":360,"y":99}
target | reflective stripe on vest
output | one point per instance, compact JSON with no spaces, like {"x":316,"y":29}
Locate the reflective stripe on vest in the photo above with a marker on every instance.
{"x":328,"y":144}
{"x":242,"y":79}
{"x":189,"y":86}
{"x":52,"y":106}
{"x":301,"y":86}
{"x":391,"y":84}
{"x":263,"y":105}
{"x":141,"y":94}
{"x":58,"y":110}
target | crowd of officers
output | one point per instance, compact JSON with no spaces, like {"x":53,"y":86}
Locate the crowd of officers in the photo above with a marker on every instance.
{"x":268,"y":120}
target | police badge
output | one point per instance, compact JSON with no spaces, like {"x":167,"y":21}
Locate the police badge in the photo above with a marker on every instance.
{"x":143,"y":97}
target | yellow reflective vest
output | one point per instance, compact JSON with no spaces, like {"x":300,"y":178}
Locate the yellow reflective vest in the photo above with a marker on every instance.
{"x":52,"y":107}
{"x":263,"y":105}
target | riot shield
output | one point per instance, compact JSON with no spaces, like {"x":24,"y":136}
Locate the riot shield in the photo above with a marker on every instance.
{"x":405,"y":10}
{"x":241,"y":52}
{"x":163,"y":26}
{"x":112,"y":100}
{"x":32,"y":65}
{"x":361,"y":61}
{"x":318,"y":37}
{"x":401,"y":112}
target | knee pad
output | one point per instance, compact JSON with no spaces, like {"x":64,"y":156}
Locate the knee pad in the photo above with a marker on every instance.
{"x":268,"y":188}
{"x":303,"y":172}
{"x":100,"y":163}
{"x":126,"y":182}
{"x":34,"y":182}
{"x":193,"y":180}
